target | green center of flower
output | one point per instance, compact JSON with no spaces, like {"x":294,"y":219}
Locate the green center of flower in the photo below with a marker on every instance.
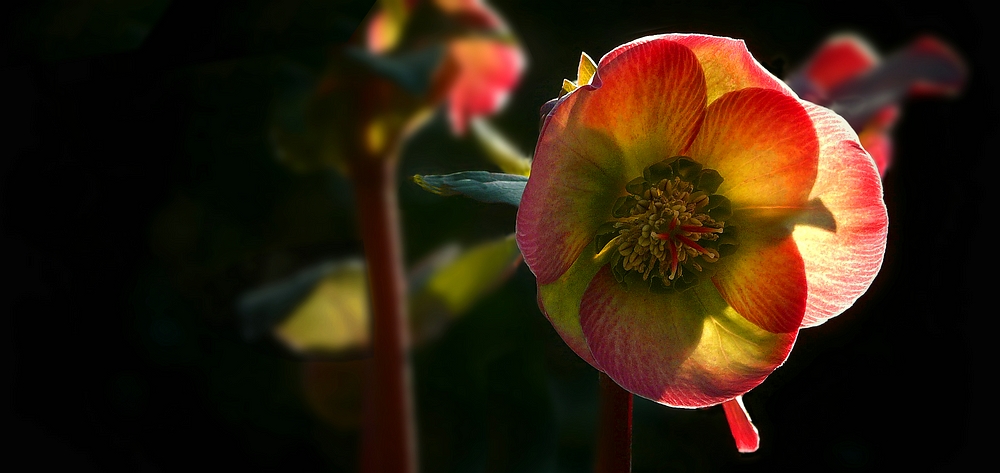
{"x":670,"y":227}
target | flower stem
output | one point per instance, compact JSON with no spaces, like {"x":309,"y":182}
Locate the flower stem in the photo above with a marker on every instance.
{"x":614,"y":429}
{"x":389,"y":439}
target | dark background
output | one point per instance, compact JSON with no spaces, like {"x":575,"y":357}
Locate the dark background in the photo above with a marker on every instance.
{"x":139,"y":195}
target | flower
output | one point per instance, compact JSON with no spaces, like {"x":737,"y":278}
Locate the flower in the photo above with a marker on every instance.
{"x":687,"y":214}
{"x":415,"y":58}
{"x":486,"y":60}
{"x":847,"y":75}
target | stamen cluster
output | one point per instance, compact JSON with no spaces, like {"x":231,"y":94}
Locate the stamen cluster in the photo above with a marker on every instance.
{"x":667,"y":223}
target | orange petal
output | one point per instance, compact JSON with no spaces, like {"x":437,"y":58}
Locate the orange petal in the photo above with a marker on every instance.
{"x":648,"y":97}
{"x":765,"y":281}
{"x":643,"y":107}
{"x":686,"y":349}
{"x":841,"y":264}
{"x":763,"y":144}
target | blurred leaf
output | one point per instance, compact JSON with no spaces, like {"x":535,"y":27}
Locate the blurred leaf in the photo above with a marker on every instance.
{"x":334,"y":317}
{"x":501,"y":151}
{"x":264,"y":308}
{"x":454,"y":287}
{"x":324,"y":310}
{"x":483,"y":186}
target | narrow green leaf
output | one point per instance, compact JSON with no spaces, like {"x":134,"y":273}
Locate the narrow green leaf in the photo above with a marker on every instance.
{"x":489,"y":187}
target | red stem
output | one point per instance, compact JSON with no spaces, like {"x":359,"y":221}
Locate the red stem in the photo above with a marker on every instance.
{"x":389,"y":439}
{"x":614,"y":429}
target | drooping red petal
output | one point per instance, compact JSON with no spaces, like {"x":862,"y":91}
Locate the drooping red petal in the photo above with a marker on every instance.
{"x":765,"y":280}
{"x":597,"y":139}
{"x":763,"y":144}
{"x":686,"y":349}
{"x":744,"y":432}
{"x":839,"y":59}
{"x":841,"y":263}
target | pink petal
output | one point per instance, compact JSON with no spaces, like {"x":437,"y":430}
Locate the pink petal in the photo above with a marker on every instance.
{"x":686,"y":349}
{"x":841,"y":264}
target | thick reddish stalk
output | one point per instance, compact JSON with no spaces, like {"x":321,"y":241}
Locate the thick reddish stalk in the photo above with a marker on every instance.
{"x":614,"y":429}
{"x":389,"y":439}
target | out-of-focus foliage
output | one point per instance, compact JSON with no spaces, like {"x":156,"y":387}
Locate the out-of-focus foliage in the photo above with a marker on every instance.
{"x":324,"y":310}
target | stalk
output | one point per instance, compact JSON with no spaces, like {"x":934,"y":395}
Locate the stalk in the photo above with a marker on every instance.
{"x":614,"y":429}
{"x":389,"y":437}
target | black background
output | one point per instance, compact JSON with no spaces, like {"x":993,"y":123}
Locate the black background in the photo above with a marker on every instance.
{"x":140,"y":195}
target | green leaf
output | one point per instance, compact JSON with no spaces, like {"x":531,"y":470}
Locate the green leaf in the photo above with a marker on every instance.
{"x":489,"y":187}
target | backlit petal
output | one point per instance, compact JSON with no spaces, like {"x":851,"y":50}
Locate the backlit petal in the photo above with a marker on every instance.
{"x":597,"y":139}
{"x":575,"y":178}
{"x":841,"y":264}
{"x":765,"y":280}
{"x":763,"y":144}
{"x":728,"y":65}
{"x":648,"y":97}
{"x":560,"y":302}
{"x":744,"y":432}
{"x":687,"y":349}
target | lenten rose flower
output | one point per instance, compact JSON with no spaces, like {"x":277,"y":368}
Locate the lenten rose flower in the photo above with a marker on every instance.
{"x":687,"y":214}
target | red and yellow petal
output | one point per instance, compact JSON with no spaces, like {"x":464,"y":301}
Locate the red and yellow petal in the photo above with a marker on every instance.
{"x":597,"y":139}
{"x":688,"y":349}
{"x":841,"y":263}
{"x":763,"y":144}
{"x":648,"y":98}
{"x":765,"y":280}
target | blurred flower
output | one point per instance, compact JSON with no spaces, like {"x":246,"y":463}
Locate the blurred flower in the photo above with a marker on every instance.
{"x":416,"y":57}
{"x":846,"y":75}
{"x":687,"y":214}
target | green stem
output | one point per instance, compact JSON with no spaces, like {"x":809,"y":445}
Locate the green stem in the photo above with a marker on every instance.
{"x":614,"y":429}
{"x":389,"y":439}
